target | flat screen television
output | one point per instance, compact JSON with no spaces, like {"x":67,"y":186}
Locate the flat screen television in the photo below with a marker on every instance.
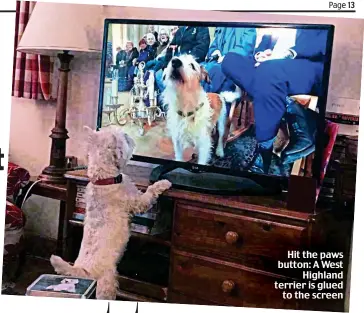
{"x":220,"y":106}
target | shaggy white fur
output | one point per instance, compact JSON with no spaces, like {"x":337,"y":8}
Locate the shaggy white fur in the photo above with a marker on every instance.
{"x":190,"y":115}
{"x":108,"y":210}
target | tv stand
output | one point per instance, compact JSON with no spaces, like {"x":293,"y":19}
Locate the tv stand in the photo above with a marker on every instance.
{"x":231,"y":244}
{"x":209,"y":182}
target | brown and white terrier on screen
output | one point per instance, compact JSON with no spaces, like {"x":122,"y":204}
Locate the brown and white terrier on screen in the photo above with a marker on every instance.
{"x":193,"y":114}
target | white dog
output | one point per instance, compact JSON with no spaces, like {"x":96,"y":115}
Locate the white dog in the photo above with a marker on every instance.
{"x":111,"y":197}
{"x":65,"y":285}
{"x":192,"y":113}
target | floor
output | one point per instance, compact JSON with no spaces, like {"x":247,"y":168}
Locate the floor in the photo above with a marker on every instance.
{"x":33,"y":268}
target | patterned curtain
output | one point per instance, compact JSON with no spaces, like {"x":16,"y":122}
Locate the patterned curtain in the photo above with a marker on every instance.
{"x":31,"y":73}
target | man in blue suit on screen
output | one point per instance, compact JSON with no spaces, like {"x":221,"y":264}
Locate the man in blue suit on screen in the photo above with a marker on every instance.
{"x":227,"y":39}
{"x":231,"y":39}
{"x":292,"y":65}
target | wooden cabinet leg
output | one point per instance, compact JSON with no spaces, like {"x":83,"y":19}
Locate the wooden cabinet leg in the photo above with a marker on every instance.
{"x":61,"y":229}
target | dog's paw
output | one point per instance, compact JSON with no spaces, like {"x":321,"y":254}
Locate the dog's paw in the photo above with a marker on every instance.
{"x":56,"y":260}
{"x":58,"y":263}
{"x":162,"y":186}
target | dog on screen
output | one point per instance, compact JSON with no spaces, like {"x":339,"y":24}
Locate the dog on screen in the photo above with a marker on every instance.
{"x":193,"y":115}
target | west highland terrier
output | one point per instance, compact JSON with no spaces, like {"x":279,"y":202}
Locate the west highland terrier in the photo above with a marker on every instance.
{"x":111,"y":198}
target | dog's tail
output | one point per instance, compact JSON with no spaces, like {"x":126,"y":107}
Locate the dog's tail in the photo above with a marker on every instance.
{"x":63,"y":268}
{"x":231,"y":96}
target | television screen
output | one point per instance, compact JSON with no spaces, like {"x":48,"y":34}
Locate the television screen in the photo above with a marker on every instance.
{"x":226,"y":97}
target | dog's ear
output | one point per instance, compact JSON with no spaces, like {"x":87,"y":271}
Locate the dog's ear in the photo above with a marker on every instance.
{"x":204,"y":76}
{"x":87,"y":129}
{"x":89,"y":133}
{"x":130,"y":141}
{"x":118,"y":141}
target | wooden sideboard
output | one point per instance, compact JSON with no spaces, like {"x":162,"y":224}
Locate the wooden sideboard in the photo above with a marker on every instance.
{"x":224,"y":250}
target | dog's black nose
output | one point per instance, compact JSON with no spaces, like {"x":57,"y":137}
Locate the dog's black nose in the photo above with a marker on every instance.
{"x":176,"y":63}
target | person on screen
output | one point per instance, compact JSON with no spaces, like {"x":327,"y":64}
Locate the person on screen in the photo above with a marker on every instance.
{"x":146,"y":53}
{"x":120,"y":55}
{"x":227,"y":39}
{"x":173,"y":32}
{"x":187,"y":40}
{"x":163,"y":41}
{"x":156,"y":64}
{"x":131,"y":53}
{"x":231,"y":39}
{"x":296,"y":67}
{"x":190,"y":40}
{"x":125,"y":63}
{"x":122,"y":69}
{"x":244,"y":44}
{"x":152,"y":43}
{"x":151,"y":29}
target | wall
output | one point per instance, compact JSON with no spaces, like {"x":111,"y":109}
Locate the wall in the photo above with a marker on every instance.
{"x":32,"y":121}
{"x":31,"y":124}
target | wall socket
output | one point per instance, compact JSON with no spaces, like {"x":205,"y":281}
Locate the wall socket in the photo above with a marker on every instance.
{"x":349,"y":130}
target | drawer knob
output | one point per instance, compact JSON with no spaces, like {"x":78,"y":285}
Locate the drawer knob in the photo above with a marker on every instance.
{"x":227,"y":286}
{"x":231,"y":237}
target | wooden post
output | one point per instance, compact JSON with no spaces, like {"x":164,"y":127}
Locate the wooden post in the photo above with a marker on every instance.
{"x":57,"y":166}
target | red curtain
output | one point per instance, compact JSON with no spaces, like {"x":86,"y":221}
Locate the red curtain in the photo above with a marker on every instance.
{"x":32,"y":73}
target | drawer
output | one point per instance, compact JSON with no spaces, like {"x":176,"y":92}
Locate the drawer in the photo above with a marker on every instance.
{"x":232,"y":236}
{"x":142,"y":288}
{"x":179,"y":298}
{"x":225,"y":283}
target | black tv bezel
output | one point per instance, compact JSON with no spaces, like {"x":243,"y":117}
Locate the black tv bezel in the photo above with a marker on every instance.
{"x":260,"y":178}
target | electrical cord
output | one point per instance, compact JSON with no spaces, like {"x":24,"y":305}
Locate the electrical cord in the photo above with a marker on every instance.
{"x":82,"y":167}
{"x":26,"y":194}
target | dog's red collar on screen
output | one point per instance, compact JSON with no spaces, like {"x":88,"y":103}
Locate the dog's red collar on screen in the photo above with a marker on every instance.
{"x":108,"y":181}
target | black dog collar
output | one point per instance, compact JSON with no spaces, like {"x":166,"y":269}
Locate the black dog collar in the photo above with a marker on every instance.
{"x":188,"y":114}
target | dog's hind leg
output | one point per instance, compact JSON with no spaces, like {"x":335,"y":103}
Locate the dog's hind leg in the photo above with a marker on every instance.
{"x":178,"y":150}
{"x":221,"y":125}
{"x":63,"y":268}
{"x":107,"y":285}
